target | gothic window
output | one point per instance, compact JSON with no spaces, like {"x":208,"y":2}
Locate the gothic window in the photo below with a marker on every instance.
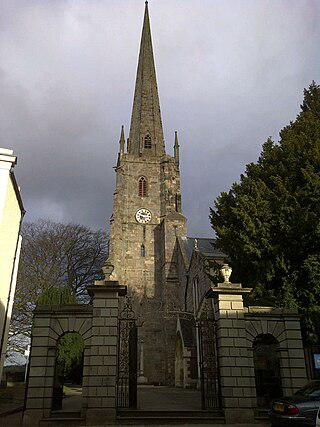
{"x":195,"y":292}
{"x":143,"y":251}
{"x":143,"y":187}
{"x":147,"y":141}
{"x":144,"y":232}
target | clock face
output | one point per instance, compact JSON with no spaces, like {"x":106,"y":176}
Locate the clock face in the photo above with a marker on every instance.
{"x":143,"y":216}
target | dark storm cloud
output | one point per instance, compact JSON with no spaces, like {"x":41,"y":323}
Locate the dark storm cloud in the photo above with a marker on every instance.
{"x":230,"y":74}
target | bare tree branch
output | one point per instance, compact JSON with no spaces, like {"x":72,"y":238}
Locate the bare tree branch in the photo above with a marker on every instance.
{"x":53,"y":254}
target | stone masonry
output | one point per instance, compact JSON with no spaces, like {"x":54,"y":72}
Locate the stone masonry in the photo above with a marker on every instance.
{"x":285,"y":326}
{"x":98,"y":325}
{"x":237,"y":328}
{"x":235,"y":361}
{"x":141,"y":254}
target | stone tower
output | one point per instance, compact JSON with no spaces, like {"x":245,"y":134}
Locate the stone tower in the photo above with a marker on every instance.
{"x":147,"y":215}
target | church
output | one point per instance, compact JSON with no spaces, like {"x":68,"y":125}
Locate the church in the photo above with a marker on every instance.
{"x":148,"y":231}
{"x":161,"y":316}
{"x":168,"y":274}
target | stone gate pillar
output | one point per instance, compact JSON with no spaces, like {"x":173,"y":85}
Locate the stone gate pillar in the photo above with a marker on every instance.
{"x":41,"y":371}
{"x":235,"y":362}
{"x":102,"y":369}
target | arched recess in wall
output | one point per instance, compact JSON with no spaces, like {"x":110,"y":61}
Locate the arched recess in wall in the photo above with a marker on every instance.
{"x":143,"y":186}
{"x":266,"y":369}
{"x":68,"y":371}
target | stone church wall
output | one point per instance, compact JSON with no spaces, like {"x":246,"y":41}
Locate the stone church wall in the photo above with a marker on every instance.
{"x":182,"y":267}
{"x":198,"y":281}
{"x":127,"y":235}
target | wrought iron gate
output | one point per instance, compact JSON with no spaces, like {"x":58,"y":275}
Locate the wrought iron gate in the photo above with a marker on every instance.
{"x":127,"y":358}
{"x":209,"y":369}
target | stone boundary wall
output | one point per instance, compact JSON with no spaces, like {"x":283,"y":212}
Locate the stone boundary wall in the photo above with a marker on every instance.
{"x":50,"y":323}
{"x":98,"y":325}
{"x":284,"y":326}
{"x":236,"y":329}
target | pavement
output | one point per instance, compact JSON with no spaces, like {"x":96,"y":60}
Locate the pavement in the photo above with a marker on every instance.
{"x":13,"y":423}
{"x":15,"y":420}
{"x":161,"y":398}
{"x":150,"y":398}
{"x":72,"y":401}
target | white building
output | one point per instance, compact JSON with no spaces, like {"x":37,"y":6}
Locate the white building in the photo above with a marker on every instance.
{"x":11,"y":214}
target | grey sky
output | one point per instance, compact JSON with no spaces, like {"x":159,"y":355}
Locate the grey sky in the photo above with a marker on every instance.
{"x":230,"y":73}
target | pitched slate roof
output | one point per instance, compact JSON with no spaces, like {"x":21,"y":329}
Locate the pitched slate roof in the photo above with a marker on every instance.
{"x":205,"y":246}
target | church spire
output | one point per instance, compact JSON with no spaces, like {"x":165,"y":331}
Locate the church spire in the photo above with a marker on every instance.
{"x":146,"y":134}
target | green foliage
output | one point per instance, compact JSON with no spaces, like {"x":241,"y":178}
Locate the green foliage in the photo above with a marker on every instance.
{"x":213,"y":268}
{"x":269,"y":222}
{"x":57,"y":296}
{"x":70,"y":357}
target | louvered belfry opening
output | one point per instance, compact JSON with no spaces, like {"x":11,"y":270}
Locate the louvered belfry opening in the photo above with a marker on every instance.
{"x":142,"y":187}
{"x":147,"y":142}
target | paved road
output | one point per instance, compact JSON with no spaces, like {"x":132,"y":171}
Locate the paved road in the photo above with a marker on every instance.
{"x":72,"y":400}
{"x":161,"y":398}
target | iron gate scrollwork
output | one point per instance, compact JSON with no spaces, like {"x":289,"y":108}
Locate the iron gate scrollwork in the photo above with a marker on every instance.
{"x":209,"y":369}
{"x":127,"y":357}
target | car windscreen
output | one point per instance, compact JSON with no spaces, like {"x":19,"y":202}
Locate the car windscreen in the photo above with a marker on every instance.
{"x":310,"y":390}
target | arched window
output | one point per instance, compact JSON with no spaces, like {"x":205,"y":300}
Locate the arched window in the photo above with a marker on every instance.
{"x":143,"y":251}
{"x":147,"y":141}
{"x":195,"y":292}
{"x":143,"y":187}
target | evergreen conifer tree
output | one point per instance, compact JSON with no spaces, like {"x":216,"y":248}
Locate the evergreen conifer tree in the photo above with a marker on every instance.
{"x":269,"y":222}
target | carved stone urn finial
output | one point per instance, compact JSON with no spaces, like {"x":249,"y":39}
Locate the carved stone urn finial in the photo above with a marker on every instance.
{"x":226,"y":271}
{"x":107,"y":270}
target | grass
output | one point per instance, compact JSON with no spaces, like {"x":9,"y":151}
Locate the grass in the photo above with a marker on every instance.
{"x":67,"y":389}
{"x":70,"y":389}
